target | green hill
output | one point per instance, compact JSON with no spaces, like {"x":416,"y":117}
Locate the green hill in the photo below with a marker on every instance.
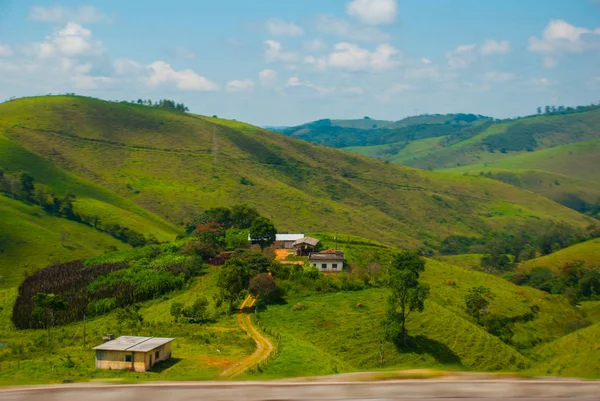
{"x":149,"y":161}
{"x":588,"y":252}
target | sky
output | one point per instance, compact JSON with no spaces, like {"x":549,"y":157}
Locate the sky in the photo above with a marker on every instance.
{"x":286,"y":62}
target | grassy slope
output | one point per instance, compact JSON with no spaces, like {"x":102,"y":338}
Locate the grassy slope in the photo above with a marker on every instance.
{"x":199,"y":352}
{"x":575,"y":355}
{"x":168,"y":157}
{"x":412,"y":150}
{"x":588,"y":251}
{"x":575,"y":160}
{"x":446,"y":337}
{"x":579,"y":127}
{"x":31,"y":239}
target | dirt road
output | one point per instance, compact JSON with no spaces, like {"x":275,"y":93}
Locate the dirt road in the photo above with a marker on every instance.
{"x":263,"y":345}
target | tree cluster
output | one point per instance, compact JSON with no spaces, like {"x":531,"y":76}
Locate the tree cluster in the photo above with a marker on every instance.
{"x":24,"y":188}
{"x":163,"y":103}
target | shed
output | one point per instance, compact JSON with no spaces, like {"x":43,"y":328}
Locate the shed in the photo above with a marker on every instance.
{"x":328,"y":260}
{"x":305,"y":246}
{"x":135,"y":353}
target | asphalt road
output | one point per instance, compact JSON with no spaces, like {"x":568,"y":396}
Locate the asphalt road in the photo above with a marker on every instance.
{"x":278,"y":391}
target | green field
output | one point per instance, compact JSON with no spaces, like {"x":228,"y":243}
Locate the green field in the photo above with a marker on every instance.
{"x":588,"y":252}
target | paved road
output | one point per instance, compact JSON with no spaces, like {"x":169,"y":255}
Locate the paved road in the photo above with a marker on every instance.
{"x":488,"y":390}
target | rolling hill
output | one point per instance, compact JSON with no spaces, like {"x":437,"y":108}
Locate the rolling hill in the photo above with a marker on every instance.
{"x":588,"y":252}
{"x":175,"y":165}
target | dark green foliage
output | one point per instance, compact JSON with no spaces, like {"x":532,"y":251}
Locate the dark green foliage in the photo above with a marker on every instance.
{"x":477,"y":301}
{"x":408,"y":294}
{"x":197,"y":312}
{"x":26,"y":185}
{"x":44,"y":308}
{"x":233,"y":278}
{"x":457,"y":245}
{"x":264,"y":287}
{"x":262,"y":232}
{"x":130,"y":318}
{"x":176,"y":310}
{"x":105,"y":283}
{"x":236,"y":238}
{"x":242,"y":216}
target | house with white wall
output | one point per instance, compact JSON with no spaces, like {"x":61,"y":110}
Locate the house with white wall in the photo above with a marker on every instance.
{"x":327,"y":261}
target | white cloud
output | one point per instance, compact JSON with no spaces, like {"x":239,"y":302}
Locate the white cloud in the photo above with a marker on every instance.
{"x":275,"y":53}
{"x":267,"y":77}
{"x":490,"y":47}
{"x":162,"y":73}
{"x":351,"y":57}
{"x":5,"y":50}
{"x":71,"y":41}
{"x":124,"y":66}
{"x":58,"y":14}
{"x":549,"y":62}
{"x":561,"y":37}
{"x":498,"y":77}
{"x":461,"y":56}
{"x":315,"y":45}
{"x":373,"y":12}
{"x":240,"y":86}
{"x":90,"y":83}
{"x":184,"y":53}
{"x":296,"y":82}
{"x":336,"y":26}
{"x":279,"y":27}
{"x":425,"y":61}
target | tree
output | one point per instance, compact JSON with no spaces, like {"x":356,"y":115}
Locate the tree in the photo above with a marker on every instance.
{"x":45,"y":306}
{"x":547,"y":109}
{"x":211,"y":234}
{"x":477,"y":301}
{"x":130,"y":317}
{"x":408,"y":294}
{"x":176,"y":309}
{"x":539,"y":110}
{"x":264,"y":288}
{"x":233,"y":278}
{"x":198,"y":312}
{"x":242,"y":216}
{"x":263,"y":232}
{"x":26,"y":185}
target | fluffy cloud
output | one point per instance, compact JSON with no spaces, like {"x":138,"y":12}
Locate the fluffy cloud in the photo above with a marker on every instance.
{"x":71,"y":41}
{"x":124,"y":66}
{"x":5,"y":50}
{"x":425,"y":61}
{"x":461,"y":56}
{"x":399,"y":88}
{"x":315,"y":45}
{"x":58,"y":14}
{"x":351,"y":57}
{"x":340,"y":27}
{"x":494,"y":47}
{"x":275,"y":53}
{"x":561,"y":37}
{"x":543,"y":82}
{"x":373,"y":12}
{"x":162,"y":73}
{"x":279,"y":27}
{"x":267,"y":77}
{"x":296,"y":82}
{"x":239,"y":86}
{"x":549,"y":62}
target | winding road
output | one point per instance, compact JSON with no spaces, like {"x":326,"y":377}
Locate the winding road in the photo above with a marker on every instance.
{"x":264,"y":347}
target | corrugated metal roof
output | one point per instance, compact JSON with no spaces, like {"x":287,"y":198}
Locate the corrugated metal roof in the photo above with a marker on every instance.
{"x":132,"y":343}
{"x":285,"y":237}
{"x":327,"y":255}
{"x":307,"y":240}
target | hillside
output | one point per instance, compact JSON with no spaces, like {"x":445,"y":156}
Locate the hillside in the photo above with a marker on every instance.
{"x":588,"y":252}
{"x":175,"y":165}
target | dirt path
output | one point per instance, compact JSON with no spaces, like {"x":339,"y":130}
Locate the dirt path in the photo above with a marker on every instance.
{"x":263,"y":345}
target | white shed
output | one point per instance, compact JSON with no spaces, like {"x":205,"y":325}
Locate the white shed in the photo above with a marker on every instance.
{"x":327,"y":261}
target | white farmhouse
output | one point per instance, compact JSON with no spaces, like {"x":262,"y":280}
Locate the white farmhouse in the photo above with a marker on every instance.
{"x":327,"y":261}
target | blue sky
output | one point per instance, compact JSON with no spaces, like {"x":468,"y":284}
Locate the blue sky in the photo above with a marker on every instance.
{"x":284,"y":62}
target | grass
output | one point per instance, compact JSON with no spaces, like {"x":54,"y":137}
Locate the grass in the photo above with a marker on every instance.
{"x":200,"y":352}
{"x":467,"y":261}
{"x":588,"y":252}
{"x":154,"y":162}
{"x":31,"y":239}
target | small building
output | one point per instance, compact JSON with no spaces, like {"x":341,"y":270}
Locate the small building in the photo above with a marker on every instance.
{"x":133,"y":353}
{"x":328,"y":260}
{"x":305,"y":246}
{"x":284,"y":241}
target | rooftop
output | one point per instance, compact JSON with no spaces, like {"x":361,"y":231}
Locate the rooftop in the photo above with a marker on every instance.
{"x":327,"y":255}
{"x":285,"y":237}
{"x":307,"y":240}
{"x":132,"y":343}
